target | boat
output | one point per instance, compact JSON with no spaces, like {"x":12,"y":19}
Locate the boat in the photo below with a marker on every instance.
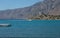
{"x":5,"y":25}
{"x":29,"y":19}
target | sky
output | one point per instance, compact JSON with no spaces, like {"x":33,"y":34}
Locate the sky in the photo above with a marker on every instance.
{"x":12,"y":4}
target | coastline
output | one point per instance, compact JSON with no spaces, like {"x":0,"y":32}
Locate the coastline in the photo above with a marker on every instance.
{"x":46,"y":17}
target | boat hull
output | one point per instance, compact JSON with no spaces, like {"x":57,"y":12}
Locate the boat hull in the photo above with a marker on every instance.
{"x":5,"y":25}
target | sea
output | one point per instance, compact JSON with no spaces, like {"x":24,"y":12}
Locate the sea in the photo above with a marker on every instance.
{"x":34,"y":28}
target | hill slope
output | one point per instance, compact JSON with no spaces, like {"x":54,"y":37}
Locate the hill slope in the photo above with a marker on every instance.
{"x":47,"y":7}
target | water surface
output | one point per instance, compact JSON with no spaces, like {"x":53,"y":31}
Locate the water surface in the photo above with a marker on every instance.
{"x":34,"y":28}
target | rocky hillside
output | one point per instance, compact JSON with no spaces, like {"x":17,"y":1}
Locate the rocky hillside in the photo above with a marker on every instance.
{"x":46,"y":7}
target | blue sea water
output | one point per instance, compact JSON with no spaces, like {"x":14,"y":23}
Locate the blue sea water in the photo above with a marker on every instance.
{"x":34,"y":28}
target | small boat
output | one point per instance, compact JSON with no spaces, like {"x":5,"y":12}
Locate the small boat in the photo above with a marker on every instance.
{"x":5,"y":25}
{"x":29,"y":19}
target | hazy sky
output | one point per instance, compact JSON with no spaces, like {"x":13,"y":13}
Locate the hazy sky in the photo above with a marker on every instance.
{"x":12,"y":4}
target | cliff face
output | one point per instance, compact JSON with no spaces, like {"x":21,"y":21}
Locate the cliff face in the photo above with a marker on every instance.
{"x":54,"y":6}
{"x":48,"y":7}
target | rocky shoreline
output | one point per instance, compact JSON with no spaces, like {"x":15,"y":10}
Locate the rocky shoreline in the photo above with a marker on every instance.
{"x":47,"y":17}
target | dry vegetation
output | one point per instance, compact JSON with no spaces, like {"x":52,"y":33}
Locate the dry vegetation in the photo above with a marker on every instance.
{"x":47,"y":17}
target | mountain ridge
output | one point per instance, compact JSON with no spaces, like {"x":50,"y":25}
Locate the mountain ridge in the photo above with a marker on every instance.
{"x":47,"y":7}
